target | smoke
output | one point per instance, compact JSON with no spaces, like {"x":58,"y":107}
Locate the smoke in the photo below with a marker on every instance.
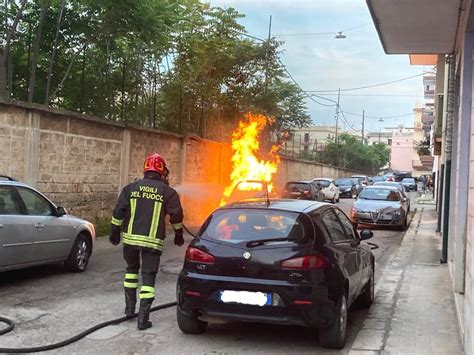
{"x":198,"y":201}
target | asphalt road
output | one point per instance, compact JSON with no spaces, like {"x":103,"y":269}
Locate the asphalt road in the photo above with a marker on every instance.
{"x":48,"y":305}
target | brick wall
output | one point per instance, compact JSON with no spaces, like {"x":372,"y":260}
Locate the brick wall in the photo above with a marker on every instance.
{"x":82,"y":162}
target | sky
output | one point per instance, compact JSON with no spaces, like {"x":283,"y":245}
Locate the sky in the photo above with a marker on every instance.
{"x":322,"y":62}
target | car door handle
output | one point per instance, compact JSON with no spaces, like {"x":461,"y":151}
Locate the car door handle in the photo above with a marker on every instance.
{"x":39,"y":225}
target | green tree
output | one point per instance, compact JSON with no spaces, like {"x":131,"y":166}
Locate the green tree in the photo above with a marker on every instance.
{"x":348,"y":152}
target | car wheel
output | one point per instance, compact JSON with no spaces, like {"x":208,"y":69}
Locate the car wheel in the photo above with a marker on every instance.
{"x":80,"y":254}
{"x":334,"y":336}
{"x":404,"y":226}
{"x":189,"y":324}
{"x":367,"y":297}
{"x":333,"y":200}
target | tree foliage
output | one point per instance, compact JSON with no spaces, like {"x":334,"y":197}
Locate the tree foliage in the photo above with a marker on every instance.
{"x":179,"y":65}
{"x":348,"y":152}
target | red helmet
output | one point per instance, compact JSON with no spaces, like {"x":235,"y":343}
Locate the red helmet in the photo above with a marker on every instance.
{"x":155,"y":162}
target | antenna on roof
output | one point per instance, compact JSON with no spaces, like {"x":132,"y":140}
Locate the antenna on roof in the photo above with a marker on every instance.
{"x":268,"y":198}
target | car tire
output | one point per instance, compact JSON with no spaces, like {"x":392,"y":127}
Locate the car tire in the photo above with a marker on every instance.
{"x":80,"y":253}
{"x":190,"y":324}
{"x":404,"y":226}
{"x":334,"y":336}
{"x":333,"y":200}
{"x":367,"y":297}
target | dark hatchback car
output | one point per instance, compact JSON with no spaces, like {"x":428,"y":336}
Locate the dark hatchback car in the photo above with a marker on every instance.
{"x":410,"y":184}
{"x":279,"y":261}
{"x":347,"y":187}
{"x":303,"y":190}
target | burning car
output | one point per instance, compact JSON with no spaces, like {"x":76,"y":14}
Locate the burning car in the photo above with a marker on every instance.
{"x":246,"y":189}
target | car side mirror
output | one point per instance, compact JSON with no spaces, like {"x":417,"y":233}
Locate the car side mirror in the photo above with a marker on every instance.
{"x":366,"y":234}
{"x":60,"y":211}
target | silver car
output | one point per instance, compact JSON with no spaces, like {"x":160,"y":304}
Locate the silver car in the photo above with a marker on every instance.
{"x":380,"y":205}
{"x":35,"y":231}
{"x":399,"y":186}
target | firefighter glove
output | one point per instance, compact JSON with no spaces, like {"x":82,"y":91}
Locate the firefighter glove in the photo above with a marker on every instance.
{"x":178,"y":238}
{"x":114,"y":238}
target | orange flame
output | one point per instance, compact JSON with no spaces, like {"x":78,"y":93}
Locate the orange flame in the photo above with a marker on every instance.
{"x":245,"y":165}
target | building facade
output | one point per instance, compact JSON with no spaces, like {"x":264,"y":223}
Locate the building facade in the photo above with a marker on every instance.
{"x":449,"y":43}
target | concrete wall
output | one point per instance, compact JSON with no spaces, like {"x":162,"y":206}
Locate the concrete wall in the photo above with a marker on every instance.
{"x":82,"y":162}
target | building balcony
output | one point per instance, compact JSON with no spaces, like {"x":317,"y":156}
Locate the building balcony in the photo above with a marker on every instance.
{"x":427,"y":119}
{"x":427,"y":161}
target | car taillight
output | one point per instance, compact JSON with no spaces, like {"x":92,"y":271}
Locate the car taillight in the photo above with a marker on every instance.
{"x":308,"y":262}
{"x":198,"y":256}
{"x":307,"y":193}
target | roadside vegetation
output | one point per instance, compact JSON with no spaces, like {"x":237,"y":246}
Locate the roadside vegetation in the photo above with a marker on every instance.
{"x":349,"y":152}
{"x":177,"y":65}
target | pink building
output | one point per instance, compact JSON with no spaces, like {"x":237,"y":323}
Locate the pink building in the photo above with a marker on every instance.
{"x":401,"y":156}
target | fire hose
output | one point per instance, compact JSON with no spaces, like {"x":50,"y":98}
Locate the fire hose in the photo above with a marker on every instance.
{"x":11,"y":325}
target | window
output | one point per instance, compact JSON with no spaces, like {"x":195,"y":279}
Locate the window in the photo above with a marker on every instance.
{"x":244,"y":225}
{"x":35,"y":204}
{"x":348,"y":227}
{"x":333,"y":226}
{"x":8,"y":205}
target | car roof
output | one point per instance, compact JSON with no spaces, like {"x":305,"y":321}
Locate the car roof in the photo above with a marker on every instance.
{"x":381,"y":187}
{"x":281,"y":204}
{"x":299,"y":182}
{"x":358,"y":176}
{"x":14,"y":183}
{"x":327,"y":179}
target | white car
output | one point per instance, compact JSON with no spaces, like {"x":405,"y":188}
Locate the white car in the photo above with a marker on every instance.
{"x":331,"y":191}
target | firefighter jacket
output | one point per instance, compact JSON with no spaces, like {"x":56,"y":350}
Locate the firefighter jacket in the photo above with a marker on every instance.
{"x":140,"y":213}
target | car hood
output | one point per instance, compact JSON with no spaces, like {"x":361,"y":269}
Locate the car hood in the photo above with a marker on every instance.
{"x":376,"y":206}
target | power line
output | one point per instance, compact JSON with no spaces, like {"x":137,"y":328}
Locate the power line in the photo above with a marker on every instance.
{"x":373,"y":85}
{"x":374,"y":95}
{"x":320,"y":33}
{"x":378,"y":117}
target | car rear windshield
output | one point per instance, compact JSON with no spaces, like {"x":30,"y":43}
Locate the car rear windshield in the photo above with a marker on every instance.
{"x":343,"y":182}
{"x":297,"y":186}
{"x":322,"y":183}
{"x":379,"y":194}
{"x":246,"y":225}
{"x":408,"y":180}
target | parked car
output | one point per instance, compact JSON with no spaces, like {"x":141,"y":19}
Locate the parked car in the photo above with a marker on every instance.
{"x":377,"y":178}
{"x":410,"y":184}
{"x":302,"y":190}
{"x":399,"y":186}
{"x":363,"y":179}
{"x":35,"y":231}
{"x":347,"y":187}
{"x":331,"y":191}
{"x":380,"y":205}
{"x":357,"y":184}
{"x":289,"y":262}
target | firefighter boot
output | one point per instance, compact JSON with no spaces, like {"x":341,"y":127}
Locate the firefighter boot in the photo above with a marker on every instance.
{"x":130,"y":301}
{"x":144,"y":313}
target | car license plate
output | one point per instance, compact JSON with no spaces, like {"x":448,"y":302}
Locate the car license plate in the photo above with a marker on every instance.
{"x":246,"y":297}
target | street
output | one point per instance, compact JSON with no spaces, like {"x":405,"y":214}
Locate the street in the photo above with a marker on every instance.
{"x":49,"y":305}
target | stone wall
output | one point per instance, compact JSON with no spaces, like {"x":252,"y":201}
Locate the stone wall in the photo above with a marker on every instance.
{"x":82,"y":162}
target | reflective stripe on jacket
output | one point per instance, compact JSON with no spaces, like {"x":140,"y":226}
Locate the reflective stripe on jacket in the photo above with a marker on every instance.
{"x":140,"y":213}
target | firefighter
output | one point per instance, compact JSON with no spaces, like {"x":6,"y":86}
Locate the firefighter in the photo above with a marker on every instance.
{"x":139,"y":219}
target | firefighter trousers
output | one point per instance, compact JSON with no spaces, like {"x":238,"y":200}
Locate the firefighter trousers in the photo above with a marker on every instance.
{"x":150,"y":261}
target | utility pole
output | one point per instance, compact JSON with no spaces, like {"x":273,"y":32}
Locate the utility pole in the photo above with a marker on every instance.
{"x":266,"y":54}
{"x":363,"y":125}
{"x":337,"y":111}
